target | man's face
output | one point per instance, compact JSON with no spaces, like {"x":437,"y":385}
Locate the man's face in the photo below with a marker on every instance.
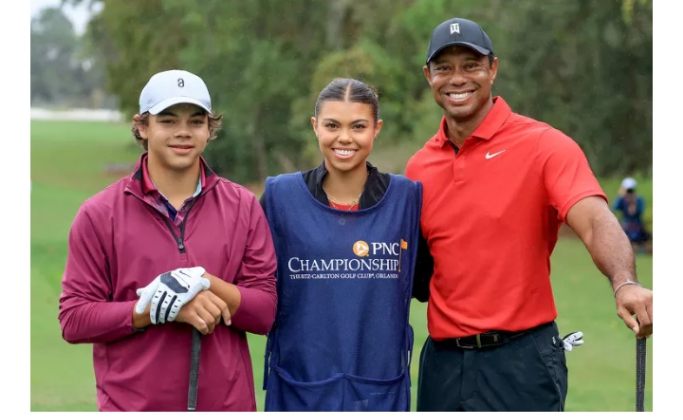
{"x":177,"y":136}
{"x":461,"y":81}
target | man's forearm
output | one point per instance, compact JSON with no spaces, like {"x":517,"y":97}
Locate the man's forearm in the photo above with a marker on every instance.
{"x":611,"y":251}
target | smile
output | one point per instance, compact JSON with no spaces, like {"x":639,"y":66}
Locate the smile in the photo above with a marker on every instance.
{"x":460,"y":96}
{"x":181,"y":150}
{"x":344,"y":153}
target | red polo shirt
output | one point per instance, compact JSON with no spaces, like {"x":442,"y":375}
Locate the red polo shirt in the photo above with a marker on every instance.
{"x":491,"y":215}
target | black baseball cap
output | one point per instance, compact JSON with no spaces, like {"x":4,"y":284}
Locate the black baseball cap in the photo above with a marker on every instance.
{"x":458,"y":31}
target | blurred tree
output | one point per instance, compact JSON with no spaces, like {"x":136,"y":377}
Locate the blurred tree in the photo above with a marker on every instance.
{"x":587,"y":72}
{"x":256,"y":57}
{"x":64,"y":71}
{"x":137,"y":39}
{"x":54,"y":69}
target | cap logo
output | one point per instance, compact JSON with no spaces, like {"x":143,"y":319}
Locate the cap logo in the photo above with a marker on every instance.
{"x":455,"y":27}
{"x":181,"y":83}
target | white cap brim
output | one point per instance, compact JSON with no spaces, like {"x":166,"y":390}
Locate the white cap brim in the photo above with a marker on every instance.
{"x":166,"y":103}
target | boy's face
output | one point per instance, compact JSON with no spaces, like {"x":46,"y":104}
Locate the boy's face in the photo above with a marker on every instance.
{"x":177,"y":136}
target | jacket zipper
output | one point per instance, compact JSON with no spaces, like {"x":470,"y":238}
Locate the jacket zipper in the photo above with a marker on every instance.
{"x":178,"y":239}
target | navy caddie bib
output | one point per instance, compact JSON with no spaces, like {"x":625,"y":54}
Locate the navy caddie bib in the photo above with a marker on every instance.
{"x":341,"y":339}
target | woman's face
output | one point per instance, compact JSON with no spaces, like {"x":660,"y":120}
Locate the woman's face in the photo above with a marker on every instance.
{"x":346,"y":132}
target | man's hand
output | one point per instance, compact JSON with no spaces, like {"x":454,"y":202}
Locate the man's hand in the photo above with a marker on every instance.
{"x":633,"y":299}
{"x":204,"y":312}
{"x":169,"y":292}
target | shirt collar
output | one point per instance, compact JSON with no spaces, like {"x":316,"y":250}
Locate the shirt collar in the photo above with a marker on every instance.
{"x":493,"y":121}
{"x":148,"y":186}
{"x":321,"y":172}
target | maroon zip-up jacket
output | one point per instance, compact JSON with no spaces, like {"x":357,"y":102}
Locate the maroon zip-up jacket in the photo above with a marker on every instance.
{"x":118,"y":243}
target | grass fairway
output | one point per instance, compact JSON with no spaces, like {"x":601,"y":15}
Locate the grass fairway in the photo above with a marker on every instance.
{"x":68,"y":162}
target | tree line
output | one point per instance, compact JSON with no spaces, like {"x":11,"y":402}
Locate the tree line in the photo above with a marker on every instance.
{"x":583,"y":66}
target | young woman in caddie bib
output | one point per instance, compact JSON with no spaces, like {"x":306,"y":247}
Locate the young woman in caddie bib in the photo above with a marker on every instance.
{"x":346,"y":240}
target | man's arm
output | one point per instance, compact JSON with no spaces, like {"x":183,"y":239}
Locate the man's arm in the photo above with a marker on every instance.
{"x":86,"y":314}
{"x":252,"y":300}
{"x":424,"y":268}
{"x":612,"y":253}
{"x":575,"y":193}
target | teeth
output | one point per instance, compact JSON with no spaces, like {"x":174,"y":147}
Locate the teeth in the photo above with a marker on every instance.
{"x":459,"y":95}
{"x":344,"y":152}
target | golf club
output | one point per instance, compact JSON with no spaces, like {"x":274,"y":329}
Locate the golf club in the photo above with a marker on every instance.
{"x":194,"y":370}
{"x":641,"y":351}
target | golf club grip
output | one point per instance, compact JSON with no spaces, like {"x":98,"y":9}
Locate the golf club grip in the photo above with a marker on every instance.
{"x":641,"y":351}
{"x":194,"y":370}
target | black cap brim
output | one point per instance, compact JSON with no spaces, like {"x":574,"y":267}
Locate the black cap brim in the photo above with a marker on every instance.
{"x":477,"y":48}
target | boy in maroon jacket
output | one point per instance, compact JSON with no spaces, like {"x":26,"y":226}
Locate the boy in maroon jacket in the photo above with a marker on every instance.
{"x":170,"y":248}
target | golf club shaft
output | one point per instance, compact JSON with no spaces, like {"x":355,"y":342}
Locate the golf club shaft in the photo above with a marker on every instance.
{"x":194,"y":370}
{"x":641,"y":351}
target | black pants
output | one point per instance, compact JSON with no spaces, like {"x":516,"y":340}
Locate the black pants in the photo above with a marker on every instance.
{"x":527,"y":374}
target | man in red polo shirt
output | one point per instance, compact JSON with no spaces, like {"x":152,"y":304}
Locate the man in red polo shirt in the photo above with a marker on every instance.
{"x":497,"y":187}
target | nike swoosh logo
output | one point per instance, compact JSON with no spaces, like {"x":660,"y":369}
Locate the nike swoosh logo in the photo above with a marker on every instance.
{"x":489,"y":155}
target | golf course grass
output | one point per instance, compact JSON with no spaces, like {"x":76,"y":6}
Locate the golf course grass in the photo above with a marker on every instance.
{"x":71,"y":161}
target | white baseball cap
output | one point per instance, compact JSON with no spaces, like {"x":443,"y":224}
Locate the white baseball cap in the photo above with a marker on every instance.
{"x":628,"y":183}
{"x":173,"y":87}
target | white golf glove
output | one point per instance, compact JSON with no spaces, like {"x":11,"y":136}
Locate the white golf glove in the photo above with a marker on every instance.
{"x":170,"y":291}
{"x":571,"y":340}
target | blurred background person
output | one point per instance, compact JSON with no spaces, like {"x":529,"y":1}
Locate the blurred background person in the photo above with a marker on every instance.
{"x":631,"y":207}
